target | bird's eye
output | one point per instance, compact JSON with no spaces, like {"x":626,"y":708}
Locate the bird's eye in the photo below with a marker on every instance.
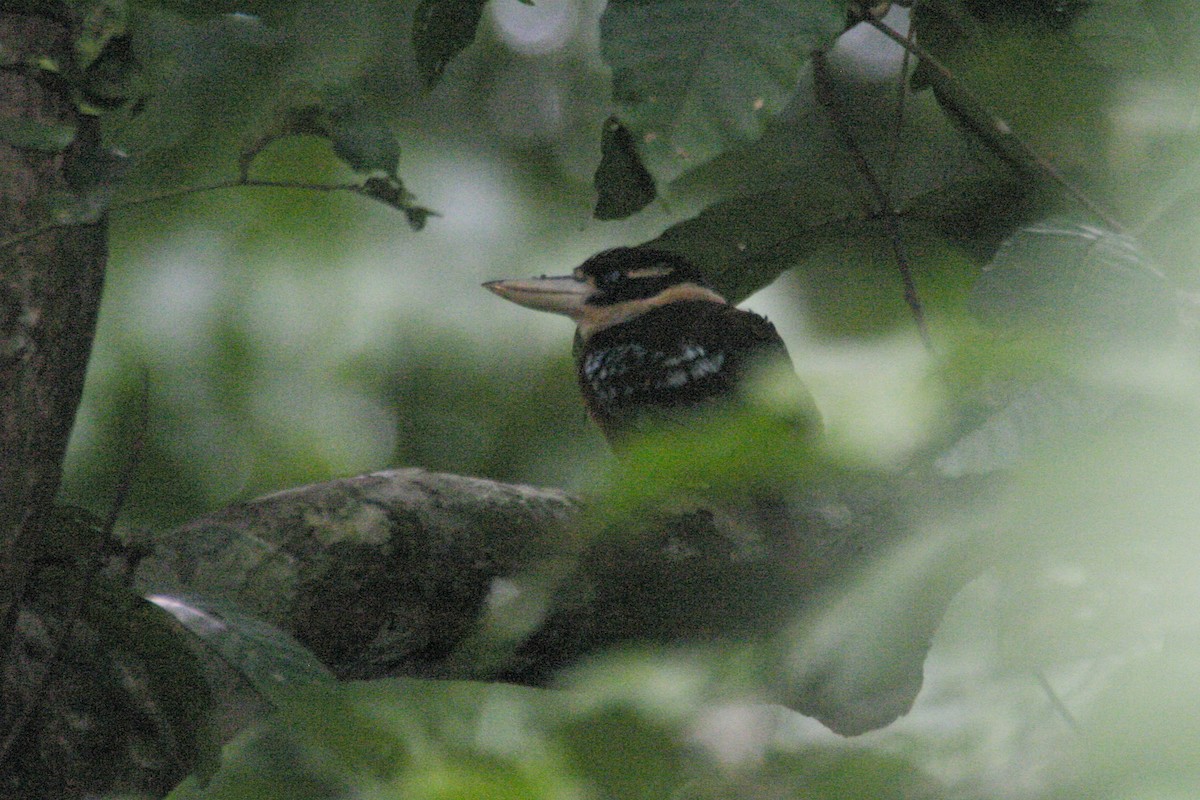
{"x":608,"y":279}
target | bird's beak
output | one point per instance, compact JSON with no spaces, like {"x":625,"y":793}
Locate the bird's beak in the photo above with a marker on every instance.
{"x":560,"y":295}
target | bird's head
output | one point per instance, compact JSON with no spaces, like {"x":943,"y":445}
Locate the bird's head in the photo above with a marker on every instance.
{"x":611,"y":287}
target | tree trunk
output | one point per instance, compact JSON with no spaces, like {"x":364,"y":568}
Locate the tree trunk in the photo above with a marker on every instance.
{"x":51,"y":275}
{"x":50,"y":285}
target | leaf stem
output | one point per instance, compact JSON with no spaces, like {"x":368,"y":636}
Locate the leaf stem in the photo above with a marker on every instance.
{"x":883,"y":201}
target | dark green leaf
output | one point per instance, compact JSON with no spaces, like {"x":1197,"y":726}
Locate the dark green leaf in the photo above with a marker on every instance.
{"x":270,"y":762}
{"x":362,"y":136}
{"x":1053,"y":14}
{"x":360,"y":133}
{"x":299,"y":111}
{"x":1122,"y":35}
{"x":200,"y":10}
{"x":270,"y":659}
{"x":1044,"y":88}
{"x":28,"y":134}
{"x":796,"y":199}
{"x":131,"y":627}
{"x":392,"y":192}
{"x":196,"y":74}
{"x":441,"y":30}
{"x":623,"y":184}
{"x":94,"y":177}
{"x":418,"y":216}
{"x":113,"y":78}
{"x":743,"y":244}
{"x":696,"y":77}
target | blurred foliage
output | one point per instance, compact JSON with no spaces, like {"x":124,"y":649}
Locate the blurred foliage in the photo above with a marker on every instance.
{"x":292,"y":336}
{"x":632,"y":726}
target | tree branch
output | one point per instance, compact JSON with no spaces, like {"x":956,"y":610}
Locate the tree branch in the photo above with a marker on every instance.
{"x":413,"y":573}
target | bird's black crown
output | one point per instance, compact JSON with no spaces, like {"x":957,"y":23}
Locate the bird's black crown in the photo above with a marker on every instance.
{"x":635,"y":273}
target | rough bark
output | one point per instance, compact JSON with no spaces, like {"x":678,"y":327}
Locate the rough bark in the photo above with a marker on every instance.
{"x":50,"y":288}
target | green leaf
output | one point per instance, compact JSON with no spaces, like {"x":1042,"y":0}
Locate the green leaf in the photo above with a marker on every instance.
{"x":741,"y":245}
{"x":624,"y":754}
{"x":1041,"y":84}
{"x":796,"y":199}
{"x":28,"y":134}
{"x":1079,"y":283}
{"x":269,"y":659}
{"x":196,"y":72}
{"x":391,"y":192}
{"x":298,"y":111}
{"x":362,"y":136}
{"x":129,"y":626}
{"x":623,"y":184}
{"x":1123,"y":34}
{"x":837,"y":773}
{"x":1035,"y":419}
{"x":112,"y":79}
{"x":696,"y":77}
{"x":844,"y":256}
{"x":441,"y":30}
{"x":360,"y":133}
{"x":409,"y":738}
{"x":102,"y":21}
{"x":1056,"y":295}
{"x":729,"y":453}
{"x":359,"y":741}
{"x":856,"y":660}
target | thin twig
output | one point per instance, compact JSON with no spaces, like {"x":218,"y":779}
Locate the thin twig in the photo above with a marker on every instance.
{"x":237,"y":183}
{"x":1057,"y":702}
{"x":998,"y":134}
{"x":883,"y":202}
{"x":171,"y":194}
{"x":893,"y":161}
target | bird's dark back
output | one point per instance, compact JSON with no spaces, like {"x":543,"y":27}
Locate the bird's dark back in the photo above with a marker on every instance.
{"x":674,"y":360}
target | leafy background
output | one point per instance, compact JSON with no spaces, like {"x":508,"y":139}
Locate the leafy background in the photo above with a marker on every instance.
{"x":292,"y":336}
